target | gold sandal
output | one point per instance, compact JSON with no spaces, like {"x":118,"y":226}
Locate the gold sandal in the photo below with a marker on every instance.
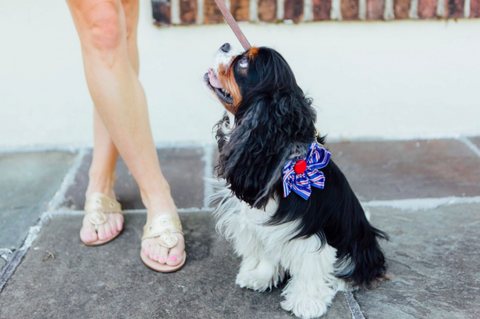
{"x":97,"y":206}
{"x":164,"y":226}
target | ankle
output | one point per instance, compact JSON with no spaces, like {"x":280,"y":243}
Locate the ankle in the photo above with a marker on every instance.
{"x":101,"y":183}
{"x":159,"y":201}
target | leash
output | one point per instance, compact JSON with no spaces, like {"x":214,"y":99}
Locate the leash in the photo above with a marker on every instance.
{"x":233,"y":24}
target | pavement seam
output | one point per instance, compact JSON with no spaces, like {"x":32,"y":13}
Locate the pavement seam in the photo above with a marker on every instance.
{"x":40,"y":148}
{"x":17,"y":256}
{"x":179,"y":145}
{"x":208,"y":175}
{"x":5,"y":253}
{"x":190,"y":210}
{"x":353,"y":305}
{"x":69,"y":179}
{"x":72,"y":148}
{"x":412,"y":204}
{"x":421,"y":203}
{"x":72,"y":212}
{"x":470,"y":145}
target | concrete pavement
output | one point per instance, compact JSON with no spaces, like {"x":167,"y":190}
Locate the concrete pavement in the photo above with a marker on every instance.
{"x":424,"y":193}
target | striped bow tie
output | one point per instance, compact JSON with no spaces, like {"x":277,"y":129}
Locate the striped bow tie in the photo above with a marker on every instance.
{"x":300,"y":174}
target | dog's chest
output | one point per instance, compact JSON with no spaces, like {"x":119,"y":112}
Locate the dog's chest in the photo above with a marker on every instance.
{"x":255,"y":222}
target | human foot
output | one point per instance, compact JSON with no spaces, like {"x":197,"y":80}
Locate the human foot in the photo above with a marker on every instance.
{"x":103,"y":219}
{"x":163,"y":245}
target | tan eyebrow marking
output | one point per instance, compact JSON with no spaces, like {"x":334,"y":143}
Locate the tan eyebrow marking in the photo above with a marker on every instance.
{"x":252,"y":54}
{"x":227,"y":79}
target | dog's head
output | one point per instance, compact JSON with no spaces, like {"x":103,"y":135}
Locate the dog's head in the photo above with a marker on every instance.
{"x":269,"y":120}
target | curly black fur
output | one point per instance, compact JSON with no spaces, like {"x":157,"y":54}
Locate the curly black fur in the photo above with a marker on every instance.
{"x":274,"y":122}
{"x":273,"y":116}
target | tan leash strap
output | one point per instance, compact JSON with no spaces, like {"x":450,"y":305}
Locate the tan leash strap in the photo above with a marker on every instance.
{"x":233,"y":24}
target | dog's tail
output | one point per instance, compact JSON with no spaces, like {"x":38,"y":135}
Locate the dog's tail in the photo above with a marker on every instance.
{"x":364,"y":266}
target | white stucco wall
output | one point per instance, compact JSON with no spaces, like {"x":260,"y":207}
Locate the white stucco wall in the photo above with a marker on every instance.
{"x":369,"y":79}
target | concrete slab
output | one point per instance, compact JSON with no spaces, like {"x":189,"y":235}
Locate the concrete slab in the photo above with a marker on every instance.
{"x":384,"y":170}
{"x":409,"y":169}
{"x":28,"y":183}
{"x":4,"y":256}
{"x":182,"y":167}
{"x":434,"y":257}
{"x":111,"y":280}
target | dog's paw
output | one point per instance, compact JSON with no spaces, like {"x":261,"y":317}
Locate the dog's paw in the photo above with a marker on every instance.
{"x":307,"y":299}
{"x":264,"y":276}
{"x":254,"y":280}
{"x":305,"y":308}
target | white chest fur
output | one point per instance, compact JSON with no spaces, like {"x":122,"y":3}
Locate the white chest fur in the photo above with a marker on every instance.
{"x":268,"y":254}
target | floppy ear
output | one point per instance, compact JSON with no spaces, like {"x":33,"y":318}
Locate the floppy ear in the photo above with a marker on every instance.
{"x":268,"y":129}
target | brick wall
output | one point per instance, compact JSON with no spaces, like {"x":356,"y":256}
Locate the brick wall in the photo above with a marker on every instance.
{"x":190,"y":12}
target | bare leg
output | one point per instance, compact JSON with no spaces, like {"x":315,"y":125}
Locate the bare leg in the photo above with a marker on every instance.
{"x":102,"y":169}
{"x":102,"y":180}
{"x":121,"y":104}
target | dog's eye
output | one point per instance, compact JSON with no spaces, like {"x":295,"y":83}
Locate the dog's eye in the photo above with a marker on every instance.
{"x":243,"y":63}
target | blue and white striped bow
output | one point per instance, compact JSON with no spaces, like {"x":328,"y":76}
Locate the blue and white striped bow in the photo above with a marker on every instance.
{"x":299,"y":175}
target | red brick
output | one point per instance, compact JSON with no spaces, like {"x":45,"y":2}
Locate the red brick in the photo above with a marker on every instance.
{"x":454,"y":8}
{"x":211,"y":13}
{"x":161,"y":12}
{"x":349,"y":9}
{"x":427,"y":9}
{"x":375,"y":9}
{"x":240,"y":9}
{"x":401,"y":8}
{"x":475,"y":9}
{"x":188,"y":11}
{"x":321,"y":9}
{"x":267,"y":10}
{"x":293,"y":10}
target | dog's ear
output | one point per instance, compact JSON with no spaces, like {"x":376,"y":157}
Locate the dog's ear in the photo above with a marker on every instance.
{"x":273,"y":121}
{"x":268,"y":129}
{"x":253,"y":156}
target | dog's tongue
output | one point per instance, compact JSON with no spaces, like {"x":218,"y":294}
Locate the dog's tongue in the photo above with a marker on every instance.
{"x":213,"y":79}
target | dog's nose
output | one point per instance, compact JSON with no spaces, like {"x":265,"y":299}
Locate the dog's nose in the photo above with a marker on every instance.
{"x":225,"y":48}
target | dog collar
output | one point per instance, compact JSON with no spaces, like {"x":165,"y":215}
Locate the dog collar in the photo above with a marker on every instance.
{"x":300,"y":174}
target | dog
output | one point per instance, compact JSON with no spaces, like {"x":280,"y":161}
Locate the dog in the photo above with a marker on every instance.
{"x":280,"y":198}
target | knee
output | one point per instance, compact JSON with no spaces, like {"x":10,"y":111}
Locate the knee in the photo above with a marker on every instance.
{"x":105,"y":32}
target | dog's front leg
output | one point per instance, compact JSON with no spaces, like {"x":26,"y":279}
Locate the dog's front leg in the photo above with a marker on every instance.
{"x":257,"y":272}
{"x":312,"y":285}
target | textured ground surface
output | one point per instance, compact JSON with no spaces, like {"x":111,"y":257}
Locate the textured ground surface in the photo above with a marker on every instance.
{"x":425,"y":194}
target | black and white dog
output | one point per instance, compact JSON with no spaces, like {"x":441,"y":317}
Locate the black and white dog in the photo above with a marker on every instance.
{"x":285,"y":205}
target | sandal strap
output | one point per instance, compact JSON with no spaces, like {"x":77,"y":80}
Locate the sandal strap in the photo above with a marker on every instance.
{"x":98,"y":205}
{"x":163,"y":226}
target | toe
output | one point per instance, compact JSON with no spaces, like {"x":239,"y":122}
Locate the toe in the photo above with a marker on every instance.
{"x":108,"y":229}
{"x":113,"y":226}
{"x":163,"y":255}
{"x":88,"y":233}
{"x":101,"y":232}
{"x":146,"y":247}
{"x":175,"y":256}
{"x":156,"y":252}
{"x":119,"y":221}
{"x":151,"y":252}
